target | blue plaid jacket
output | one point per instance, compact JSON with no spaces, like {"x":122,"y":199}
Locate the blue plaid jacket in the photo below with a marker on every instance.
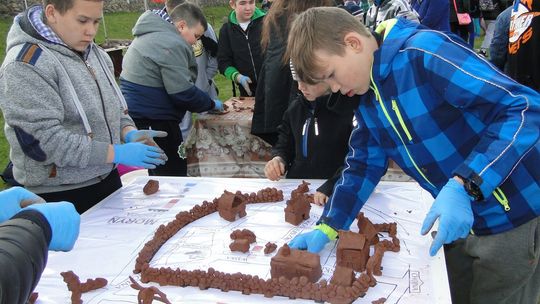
{"x":437,"y":109}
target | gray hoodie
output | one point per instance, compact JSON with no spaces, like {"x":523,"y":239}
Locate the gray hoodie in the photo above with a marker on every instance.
{"x":51,"y":148}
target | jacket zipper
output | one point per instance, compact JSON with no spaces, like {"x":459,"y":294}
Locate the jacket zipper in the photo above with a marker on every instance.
{"x":501,"y":198}
{"x":305,"y":135}
{"x":379,"y":99}
{"x":401,"y":121}
{"x":91,"y":70}
{"x":250,"y":53}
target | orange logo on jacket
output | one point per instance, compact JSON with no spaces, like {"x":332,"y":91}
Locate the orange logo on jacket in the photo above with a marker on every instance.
{"x":521,"y":30}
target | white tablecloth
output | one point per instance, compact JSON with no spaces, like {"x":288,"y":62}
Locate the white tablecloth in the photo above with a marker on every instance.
{"x":114,"y":231}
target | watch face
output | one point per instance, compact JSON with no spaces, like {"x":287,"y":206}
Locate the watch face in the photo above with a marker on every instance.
{"x":473,"y":190}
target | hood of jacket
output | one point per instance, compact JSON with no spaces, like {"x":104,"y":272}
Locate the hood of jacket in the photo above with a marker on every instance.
{"x":23,"y":31}
{"x":149,"y":22}
{"x":258,"y":13}
{"x":395,"y":34}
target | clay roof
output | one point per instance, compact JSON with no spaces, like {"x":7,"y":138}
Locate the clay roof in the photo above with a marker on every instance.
{"x":351,"y":240}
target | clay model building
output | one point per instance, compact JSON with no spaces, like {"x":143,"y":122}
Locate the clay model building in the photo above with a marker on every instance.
{"x":241,"y":245}
{"x":366,"y":227}
{"x":230,"y":205}
{"x":151,"y":187}
{"x":244,"y":234}
{"x":291,"y":263}
{"x":352,"y":250}
{"x":302,"y":188}
{"x":343,"y":276}
{"x":269,"y":248}
{"x":297,"y":209}
{"x":299,"y":286}
{"x":241,"y":240}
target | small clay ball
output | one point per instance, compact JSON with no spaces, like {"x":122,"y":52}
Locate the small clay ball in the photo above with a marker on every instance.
{"x":151,"y":187}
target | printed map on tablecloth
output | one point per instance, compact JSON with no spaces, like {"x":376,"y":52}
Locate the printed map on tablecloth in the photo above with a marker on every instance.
{"x":114,"y":232}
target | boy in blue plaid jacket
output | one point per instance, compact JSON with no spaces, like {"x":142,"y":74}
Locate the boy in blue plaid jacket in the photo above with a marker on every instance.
{"x":464,"y":131}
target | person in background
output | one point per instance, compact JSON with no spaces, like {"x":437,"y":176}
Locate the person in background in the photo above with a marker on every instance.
{"x":434,"y":14}
{"x":68,"y":128}
{"x":275,"y":82}
{"x":313,"y":137}
{"x":382,"y":10}
{"x":158,"y":77}
{"x":239,"y":49}
{"x":26,"y":235}
{"x":205,"y":50}
{"x":465,"y":132}
{"x":465,"y":31}
{"x":524,"y":43}
{"x":490,"y":9}
{"x":498,"y":49}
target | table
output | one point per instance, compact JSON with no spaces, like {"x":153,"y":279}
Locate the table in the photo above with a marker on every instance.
{"x":116,"y":48}
{"x":114,"y":231}
{"x":221,"y":145}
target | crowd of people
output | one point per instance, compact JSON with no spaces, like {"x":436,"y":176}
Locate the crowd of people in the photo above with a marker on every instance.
{"x":340,"y":89}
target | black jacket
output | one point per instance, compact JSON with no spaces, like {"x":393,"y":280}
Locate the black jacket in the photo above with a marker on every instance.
{"x":241,"y":51}
{"x":24,"y":243}
{"x":275,"y":85}
{"x":308,"y":155}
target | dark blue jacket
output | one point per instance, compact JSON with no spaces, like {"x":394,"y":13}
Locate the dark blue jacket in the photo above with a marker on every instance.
{"x":434,"y":14}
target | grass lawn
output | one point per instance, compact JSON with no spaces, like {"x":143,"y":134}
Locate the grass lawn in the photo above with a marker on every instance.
{"x":118,"y":26}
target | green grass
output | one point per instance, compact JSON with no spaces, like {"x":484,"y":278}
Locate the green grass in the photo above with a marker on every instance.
{"x":118,"y":26}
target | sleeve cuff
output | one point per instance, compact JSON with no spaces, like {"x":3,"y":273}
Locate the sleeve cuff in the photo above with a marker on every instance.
{"x":329,"y":231}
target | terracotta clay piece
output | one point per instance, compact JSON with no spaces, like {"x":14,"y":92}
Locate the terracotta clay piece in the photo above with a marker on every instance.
{"x":379,"y":301}
{"x":343,"y":276}
{"x":366,"y":227}
{"x":244,"y":234}
{"x":151,"y":187}
{"x":269,"y":248}
{"x":77,"y":288}
{"x":302,"y":188}
{"x":230,"y":205}
{"x":352,"y":250}
{"x":147,"y":295}
{"x":299,"y":286}
{"x":291,"y":263}
{"x":241,"y":245}
{"x":33,"y":298}
{"x":297,"y":209}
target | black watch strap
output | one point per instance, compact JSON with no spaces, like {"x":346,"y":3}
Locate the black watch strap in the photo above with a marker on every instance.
{"x":472,"y":188}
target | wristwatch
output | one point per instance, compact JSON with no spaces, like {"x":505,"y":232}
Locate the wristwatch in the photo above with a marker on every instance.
{"x":472,"y":188}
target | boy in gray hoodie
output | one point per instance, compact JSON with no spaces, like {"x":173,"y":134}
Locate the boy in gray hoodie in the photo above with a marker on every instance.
{"x":65,"y":118}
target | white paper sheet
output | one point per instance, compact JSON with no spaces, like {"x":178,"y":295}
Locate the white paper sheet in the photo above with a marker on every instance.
{"x":114,"y":231}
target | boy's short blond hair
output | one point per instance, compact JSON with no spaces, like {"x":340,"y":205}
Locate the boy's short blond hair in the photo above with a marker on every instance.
{"x":319,"y":28}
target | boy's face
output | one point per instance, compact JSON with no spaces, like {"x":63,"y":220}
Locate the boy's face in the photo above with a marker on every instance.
{"x":190,"y":34}
{"x":348,"y":73}
{"x":78,"y":26}
{"x":243,"y":8}
{"x":311,"y":92}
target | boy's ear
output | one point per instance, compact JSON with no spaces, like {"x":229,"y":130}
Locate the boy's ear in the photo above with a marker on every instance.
{"x":50,"y":13}
{"x":232,"y":3}
{"x":352,"y":40}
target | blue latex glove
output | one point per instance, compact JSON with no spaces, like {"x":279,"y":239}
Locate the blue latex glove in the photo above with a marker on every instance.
{"x":11,"y":200}
{"x":244,"y":81}
{"x":313,"y":241}
{"x":64,"y":221}
{"x":144,"y":136}
{"x":218,"y":105}
{"x":453,"y":209}
{"x":139,"y":155}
